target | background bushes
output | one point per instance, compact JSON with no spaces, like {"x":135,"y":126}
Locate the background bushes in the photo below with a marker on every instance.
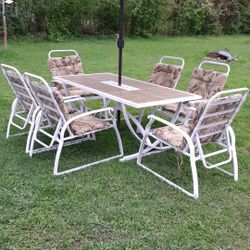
{"x":59,"y":19}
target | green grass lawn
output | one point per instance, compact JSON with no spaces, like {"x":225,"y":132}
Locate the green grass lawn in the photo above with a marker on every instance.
{"x":118,"y":205}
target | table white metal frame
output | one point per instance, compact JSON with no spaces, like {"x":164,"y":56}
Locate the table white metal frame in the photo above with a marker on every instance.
{"x":133,"y":93}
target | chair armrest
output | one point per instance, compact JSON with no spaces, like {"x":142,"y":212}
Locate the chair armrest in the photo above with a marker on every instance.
{"x":165,"y":122}
{"x":73,"y":98}
{"x":68,"y":122}
{"x":109,"y":109}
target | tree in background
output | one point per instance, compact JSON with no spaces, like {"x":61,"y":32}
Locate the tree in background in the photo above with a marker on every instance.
{"x":57,"y":20}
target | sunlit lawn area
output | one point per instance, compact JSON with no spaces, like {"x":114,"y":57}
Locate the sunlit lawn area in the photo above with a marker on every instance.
{"x":118,"y":205}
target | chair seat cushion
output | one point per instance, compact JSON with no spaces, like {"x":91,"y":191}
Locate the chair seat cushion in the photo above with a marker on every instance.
{"x":67,"y":65}
{"x":87,"y":124}
{"x":76,"y":91}
{"x":173,"y":107}
{"x":206,"y":82}
{"x":165,"y":75}
{"x":172,"y":136}
{"x":82,"y":93}
{"x":72,"y":90}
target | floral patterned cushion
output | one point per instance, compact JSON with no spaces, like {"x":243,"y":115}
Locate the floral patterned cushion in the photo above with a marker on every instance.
{"x":175,"y":139}
{"x":76,"y":91}
{"x":206,"y":82}
{"x":19,"y":88}
{"x":87,"y":124}
{"x":165,"y":75}
{"x":68,"y":65}
{"x":172,"y":136}
{"x":200,"y":107}
{"x":81,"y":125}
{"x":173,"y":107}
{"x":59,"y":99}
{"x":45,"y":100}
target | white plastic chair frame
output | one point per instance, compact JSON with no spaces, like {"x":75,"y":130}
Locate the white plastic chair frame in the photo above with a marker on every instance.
{"x":59,"y":134}
{"x":227,"y":66}
{"x":21,"y":109}
{"x":61,"y":51}
{"x":176,"y":116}
{"x":193,"y":148}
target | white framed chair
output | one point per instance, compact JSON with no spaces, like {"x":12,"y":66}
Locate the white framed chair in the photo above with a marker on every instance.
{"x":210,"y":124}
{"x":204,"y":82}
{"x":24,"y":107}
{"x":68,"y":127}
{"x":67,"y":62}
{"x":166,"y":74}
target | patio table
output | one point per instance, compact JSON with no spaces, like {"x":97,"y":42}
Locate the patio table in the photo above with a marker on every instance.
{"x":134,"y":93}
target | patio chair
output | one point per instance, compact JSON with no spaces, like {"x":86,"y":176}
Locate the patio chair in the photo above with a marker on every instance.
{"x":166,"y":74}
{"x":203,"y":82}
{"x":68,"y":127}
{"x":210,"y":124}
{"x":67,"y":65}
{"x":24,"y":107}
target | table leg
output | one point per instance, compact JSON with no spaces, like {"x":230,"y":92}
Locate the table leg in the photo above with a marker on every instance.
{"x":177,"y":112}
{"x":128,"y":118}
{"x":142,"y":111}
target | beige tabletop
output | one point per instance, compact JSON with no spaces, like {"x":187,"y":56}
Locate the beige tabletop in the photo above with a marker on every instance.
{"x":134,"y":93}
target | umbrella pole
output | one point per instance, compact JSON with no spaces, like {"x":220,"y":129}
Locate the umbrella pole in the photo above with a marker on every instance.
{"x":120,"y":45}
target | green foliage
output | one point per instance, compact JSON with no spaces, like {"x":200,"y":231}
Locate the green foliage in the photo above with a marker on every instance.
{"x":144,"y":17}
{"x":60,"y":19}
{"x":107,"y":16}
{"x":194,"y":17}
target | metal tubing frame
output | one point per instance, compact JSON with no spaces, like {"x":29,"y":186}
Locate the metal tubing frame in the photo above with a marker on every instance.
{"x":194,"y":145}
{"x":62,"y":139}
{"x":180,"y":59}
{"x":62,"y":51}
{"x":64,"y":125}
{"x":158,"y":110}
{"x":216,"y":63}
{"x":87,"y":98}
{"x":17,"y":108}
{"x":195,"y":193}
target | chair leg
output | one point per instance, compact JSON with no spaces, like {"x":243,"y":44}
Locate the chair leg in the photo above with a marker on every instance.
{"x":36,"y":128}
{"x":195,"y":193}
{"x":57,"y":158}
{"x":31,"y":130}
{"x":234,"y":154}
{"x":118,"y":136}
{"x":13,"y":110}
{"x":194,"y":176}
{"x":105,"y":105}
{"x":142,"y":111}
{"x":60,"y":147}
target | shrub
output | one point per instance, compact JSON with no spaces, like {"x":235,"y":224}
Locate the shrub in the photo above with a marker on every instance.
{"x":194,"y":17}
{"x":62,"y":18}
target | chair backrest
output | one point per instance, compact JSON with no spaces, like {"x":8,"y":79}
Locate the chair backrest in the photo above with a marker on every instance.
{"x":206,"y":82}
{"x":60,"y":65}
{"x":165,"y":74}
{"x":49,"y":99}
{"x":19,"y":86}
{"x":213,"y":116}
